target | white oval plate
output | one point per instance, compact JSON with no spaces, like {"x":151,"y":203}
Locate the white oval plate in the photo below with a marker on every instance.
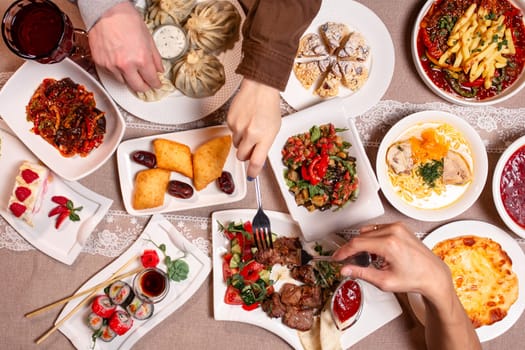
{"x":379,"y":307}
{"x":480,"y":166}
{"x":161,"y":231}
{"x":454,"y":98}
{"x":360,"y":18}
{"x":480,"y":229}
{"x":15,"y":96}
{"x":177,"y":108}
{"x":211,"y":195}
{"x":66,"y":243}
{"x":496,"y":182}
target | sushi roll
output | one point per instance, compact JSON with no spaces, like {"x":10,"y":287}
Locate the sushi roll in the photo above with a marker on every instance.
{"x":120,"y":322}
{"x":140,"y":310}
{"x":120,"y":293}
{"x":95,"y":322}
{"x":102,"y":306}
{"x":107,"y":334}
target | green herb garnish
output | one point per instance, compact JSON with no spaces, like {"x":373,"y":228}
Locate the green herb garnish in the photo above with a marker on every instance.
{"x":178,"y":269}
{"x":431,"y":171}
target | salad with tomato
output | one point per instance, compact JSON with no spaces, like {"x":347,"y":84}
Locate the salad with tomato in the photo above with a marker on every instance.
{"x":248,"y":281}
{"x":319,"y":171}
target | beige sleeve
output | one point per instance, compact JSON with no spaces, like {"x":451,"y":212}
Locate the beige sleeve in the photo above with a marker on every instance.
{"x":92,"y":10}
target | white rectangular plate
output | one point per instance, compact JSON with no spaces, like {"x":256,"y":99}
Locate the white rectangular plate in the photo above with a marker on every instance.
{"x":15,"y":96}
{"x":211,"y":195}
{"x":379,"y":307}
{"x":161,"y":231}
{"x":66,"y":243}
{"x":317,"y":224}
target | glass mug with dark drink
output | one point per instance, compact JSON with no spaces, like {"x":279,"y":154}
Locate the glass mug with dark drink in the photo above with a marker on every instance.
{"x":39,"y":30}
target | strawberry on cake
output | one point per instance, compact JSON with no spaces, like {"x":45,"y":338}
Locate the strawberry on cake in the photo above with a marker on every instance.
{"x":28,"y":191}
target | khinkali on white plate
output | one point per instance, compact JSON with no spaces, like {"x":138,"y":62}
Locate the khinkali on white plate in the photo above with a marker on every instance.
{"x":198,"y":74}
{"x":213,"y":26}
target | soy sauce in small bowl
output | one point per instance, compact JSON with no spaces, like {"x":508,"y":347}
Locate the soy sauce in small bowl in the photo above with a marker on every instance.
{"x":151,"y":285}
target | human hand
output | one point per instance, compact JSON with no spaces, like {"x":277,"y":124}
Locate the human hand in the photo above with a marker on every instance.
{"x":409,"y":265}
{"x":121,"y":43}
{"x":254,"y":118}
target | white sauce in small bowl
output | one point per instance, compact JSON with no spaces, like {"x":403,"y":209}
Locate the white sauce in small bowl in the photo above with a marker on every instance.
{"x":171,"y":41}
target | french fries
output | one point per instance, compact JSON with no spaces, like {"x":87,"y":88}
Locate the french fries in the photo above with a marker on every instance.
{"x":477,"y":43}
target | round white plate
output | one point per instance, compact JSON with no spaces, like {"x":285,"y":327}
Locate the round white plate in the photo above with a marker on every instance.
{"x":454,"y":98}
{"x":481,"y":229}
{"x":178,"y":108}
{"x":15,"y":96}
{"x":479,"y":166}
{"x":496,"y":183}
{"x":379,"y":307}
{"x":359,"y":18}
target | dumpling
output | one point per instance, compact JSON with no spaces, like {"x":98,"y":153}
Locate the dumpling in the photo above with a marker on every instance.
{"x":153,"y":95}
{"x":155,"y":17}
{"x":198,"y":74}
{"x":213,"y":26}
{"x":177,"y":9}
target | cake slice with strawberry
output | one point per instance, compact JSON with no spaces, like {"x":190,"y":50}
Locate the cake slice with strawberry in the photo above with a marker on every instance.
{"x":28,"y":191}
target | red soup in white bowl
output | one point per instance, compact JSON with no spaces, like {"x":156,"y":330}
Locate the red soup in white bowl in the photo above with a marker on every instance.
{"x":508,"y":186}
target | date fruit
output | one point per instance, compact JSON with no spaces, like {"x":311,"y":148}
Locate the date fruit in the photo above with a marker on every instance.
{"x":145,"y":158}
{"x":180,"y":189}
{"x":225,"y":182}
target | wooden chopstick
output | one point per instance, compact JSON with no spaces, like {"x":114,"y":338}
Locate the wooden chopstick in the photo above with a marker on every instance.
{"x":93,"y":290}
{"x":84,"y":292}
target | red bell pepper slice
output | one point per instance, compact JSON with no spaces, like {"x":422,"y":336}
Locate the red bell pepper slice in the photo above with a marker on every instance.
{"x":250,"y":272}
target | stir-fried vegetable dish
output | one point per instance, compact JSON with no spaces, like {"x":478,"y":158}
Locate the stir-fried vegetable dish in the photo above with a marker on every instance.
{"x":320,"y":173}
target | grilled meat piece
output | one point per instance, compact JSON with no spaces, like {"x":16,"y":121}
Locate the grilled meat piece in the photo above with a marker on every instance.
{"x":273,"y":306}
{"x":291,"y":294}
{"x":297,"y":318}
{"x":303,"y":296}
{"x":284,"y":252}
{"x":305,"y":274}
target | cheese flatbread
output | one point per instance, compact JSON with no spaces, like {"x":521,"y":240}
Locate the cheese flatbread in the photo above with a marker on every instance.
{"x":482,"y":275}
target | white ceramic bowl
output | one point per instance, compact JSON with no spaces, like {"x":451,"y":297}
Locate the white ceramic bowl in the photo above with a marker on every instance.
{"x":454,"y":98}
{"x":479,"y":166}
{"x":496,"y":189}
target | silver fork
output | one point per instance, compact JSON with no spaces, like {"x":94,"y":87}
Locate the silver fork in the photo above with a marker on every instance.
{"x":262,"y":232}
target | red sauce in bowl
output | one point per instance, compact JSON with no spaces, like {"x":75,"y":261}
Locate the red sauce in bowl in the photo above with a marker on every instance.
{"x":347,"y":301}
{"x":512,"y":187}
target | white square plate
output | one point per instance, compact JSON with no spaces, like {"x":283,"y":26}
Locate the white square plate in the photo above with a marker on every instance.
{"x":66,"y":243}
{"x":15,"y":96}
{"x":161,"y":231}
{"x":211,"y":195}
{"x":379,"y":307}
{"x":317,"y":224}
